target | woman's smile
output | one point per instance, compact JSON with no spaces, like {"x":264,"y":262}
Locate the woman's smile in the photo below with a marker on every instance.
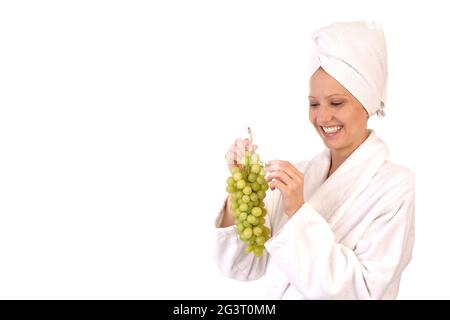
{"x":330,"y":131}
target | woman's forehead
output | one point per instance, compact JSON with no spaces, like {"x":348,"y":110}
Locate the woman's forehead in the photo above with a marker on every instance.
{"x":323,"y":85}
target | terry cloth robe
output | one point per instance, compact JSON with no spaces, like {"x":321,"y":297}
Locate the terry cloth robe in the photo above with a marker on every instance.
{"x":351,"y":239}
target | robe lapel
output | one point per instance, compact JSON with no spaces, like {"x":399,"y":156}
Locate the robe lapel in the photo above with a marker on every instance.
{"x":333,"y":196}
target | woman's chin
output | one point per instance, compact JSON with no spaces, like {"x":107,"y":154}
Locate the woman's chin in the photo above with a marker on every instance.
{"x":332,"y":141}
{"x":331,"y":144}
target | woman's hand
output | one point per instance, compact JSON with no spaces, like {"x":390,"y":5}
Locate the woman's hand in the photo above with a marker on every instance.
{"x":236,"y":152}
{"x":233,"y":157}
{"x":289,"y":180}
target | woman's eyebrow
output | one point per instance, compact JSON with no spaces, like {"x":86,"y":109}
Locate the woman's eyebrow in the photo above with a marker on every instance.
{"x":331,"y":95}
{"x":335,"y":94}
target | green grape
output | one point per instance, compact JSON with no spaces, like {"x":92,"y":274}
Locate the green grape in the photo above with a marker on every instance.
{"x":243,"y":216}
{"x":243,"y":207}
{"x":252,"y":220}
{"x":260,"y":240}
{"x":241,"y":184}
{"x":247,"y":233}
{"x":257,"y":231}
{"x":256,"y":168}
{"x":247,"y":190}
{"x":246,"y":159}
{"x":257,"y":211}
{"x":266,"y":231}
{"x":260,"y":180}
{"x":235,"y":170}
{"x":261,"y":194}
{"x":258,"y":251}
{"x":255,"y":186}
{"x":262,"y":172}
{"x":249,"y":249}
{"x":248,"y":187}
{"x":237,"y":176}
{"x":251,"y":177}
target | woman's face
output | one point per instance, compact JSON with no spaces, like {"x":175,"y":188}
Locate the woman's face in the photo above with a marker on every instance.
{"x":338,"y":117}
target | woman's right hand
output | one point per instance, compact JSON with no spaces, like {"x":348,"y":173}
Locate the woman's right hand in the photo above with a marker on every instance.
{"x":234,"y":157}
{"x":236,"y":152}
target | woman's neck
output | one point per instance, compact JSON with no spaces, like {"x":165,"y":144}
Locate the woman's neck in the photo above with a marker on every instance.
{"x":338,"y":156}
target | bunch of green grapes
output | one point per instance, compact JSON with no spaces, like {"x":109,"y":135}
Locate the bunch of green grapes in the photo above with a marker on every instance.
{"x":248,"y":187}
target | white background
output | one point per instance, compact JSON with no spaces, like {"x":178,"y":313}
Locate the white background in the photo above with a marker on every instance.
{"x":115,"y":117}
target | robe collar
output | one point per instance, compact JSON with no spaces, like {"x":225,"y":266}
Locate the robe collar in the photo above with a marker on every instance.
{"x":332,"y":196}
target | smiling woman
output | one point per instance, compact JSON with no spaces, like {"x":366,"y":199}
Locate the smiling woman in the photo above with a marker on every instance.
{"x":339,"y":118}
{"x":343,"y":222}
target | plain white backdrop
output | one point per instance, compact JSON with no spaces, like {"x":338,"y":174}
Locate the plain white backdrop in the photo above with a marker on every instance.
{"x":115,"y":117}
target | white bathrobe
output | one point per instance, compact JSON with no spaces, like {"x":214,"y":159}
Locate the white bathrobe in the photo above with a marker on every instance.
{"x":351,"y":239}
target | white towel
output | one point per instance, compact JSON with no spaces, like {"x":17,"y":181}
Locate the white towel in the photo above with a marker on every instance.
{"x":354,"y":53}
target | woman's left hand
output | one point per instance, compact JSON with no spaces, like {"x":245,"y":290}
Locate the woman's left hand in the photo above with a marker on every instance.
{"x":289,"y":180}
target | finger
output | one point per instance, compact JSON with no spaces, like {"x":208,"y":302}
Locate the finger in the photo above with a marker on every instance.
{"x":243,"y":146}
{"x":253,"y":147}
{"x":238,"y":147}
{"x":276,"y":165}
{"x":293,"y":169}
{"x":231,"y":157}
{"x":282,"y":176}
{"x":272,"y":165}
{"x":248,"y":146}
{"x":277,"y":184}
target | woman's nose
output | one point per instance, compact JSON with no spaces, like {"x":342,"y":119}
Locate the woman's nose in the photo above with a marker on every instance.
{"x":323,"y":115}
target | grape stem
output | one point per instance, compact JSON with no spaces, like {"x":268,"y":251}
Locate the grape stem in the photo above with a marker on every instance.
{"x":249,"y":131}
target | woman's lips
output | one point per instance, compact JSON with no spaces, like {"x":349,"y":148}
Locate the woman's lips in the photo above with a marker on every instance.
{"x":330,"y":131}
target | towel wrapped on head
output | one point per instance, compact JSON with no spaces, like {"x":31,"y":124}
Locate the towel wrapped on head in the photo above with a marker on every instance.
{"x":354,"y":53}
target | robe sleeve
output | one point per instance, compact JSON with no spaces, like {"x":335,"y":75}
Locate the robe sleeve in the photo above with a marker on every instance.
{"x":320,"y":268}
{"x":230,"y":255}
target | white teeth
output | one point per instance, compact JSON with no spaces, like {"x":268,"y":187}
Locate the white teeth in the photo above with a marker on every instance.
{"x":331,"y":129}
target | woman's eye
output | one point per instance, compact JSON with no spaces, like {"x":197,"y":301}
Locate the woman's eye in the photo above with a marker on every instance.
{"x":336,"y":103}
{"x":313,"y":104}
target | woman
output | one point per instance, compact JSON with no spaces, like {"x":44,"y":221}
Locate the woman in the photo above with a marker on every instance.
{"x":342,"y":223}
